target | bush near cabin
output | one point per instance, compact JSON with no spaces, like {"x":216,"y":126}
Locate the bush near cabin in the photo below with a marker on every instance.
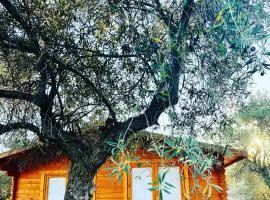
{"x":5,"y":183}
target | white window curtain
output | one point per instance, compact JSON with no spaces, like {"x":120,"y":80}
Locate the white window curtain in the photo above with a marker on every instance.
{"x":141,"y":182}
{"x":56,"y":188}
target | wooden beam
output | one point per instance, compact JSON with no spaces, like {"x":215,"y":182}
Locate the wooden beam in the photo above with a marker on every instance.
{"x":125,"y":186}
{"x":186,"y":182}
{"x":95,"y":181}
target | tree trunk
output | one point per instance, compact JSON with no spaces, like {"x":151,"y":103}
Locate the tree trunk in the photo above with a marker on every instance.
{"x":80,"y":182}
{"x":84,"y":166}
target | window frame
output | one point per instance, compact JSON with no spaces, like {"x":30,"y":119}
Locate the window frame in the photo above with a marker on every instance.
{"x":44,"y":183}
{"x":154,"y":164}
{"x":180,"y":184}
{"x":130,"y":178}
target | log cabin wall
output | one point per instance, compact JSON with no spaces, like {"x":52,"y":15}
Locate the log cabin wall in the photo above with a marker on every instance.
{"x":32,"y":185}
{"x":198,"y":186}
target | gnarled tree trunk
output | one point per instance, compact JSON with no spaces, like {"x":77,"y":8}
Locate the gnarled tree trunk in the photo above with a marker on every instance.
{"x":80,"y":182}
{"x":84,"y":166}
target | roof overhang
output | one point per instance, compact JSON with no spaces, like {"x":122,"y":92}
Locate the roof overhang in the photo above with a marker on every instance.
{"x":10,"y":160}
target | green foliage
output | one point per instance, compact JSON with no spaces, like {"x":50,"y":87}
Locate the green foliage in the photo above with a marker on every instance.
{"x":185,"y":149}
{"x":122,"y":158}
{"x":188,"y":151}
{"x":258,"y":112}
{"x":5,"y":186}
{"x":251,"y":132}
{"x":244,"y":183}
{"x":125,"y":48}
{"x":19,"y":139}
{"x":161,"y":185}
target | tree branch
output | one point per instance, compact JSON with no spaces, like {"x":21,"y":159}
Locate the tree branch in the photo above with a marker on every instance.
{"x":187,"y":11}
{"x":18,"y":43}
{"x":160,"y":103}
{"x":12,"y":10}
{"x":40,"y":96}
{"x":167,"y":20}
{"x":89,"y":84}
{"x":98,"y":53}
{"x":18,"y":46}
{"x":41,"y":67}
{"x":12,"y":94}
{"x":19,"y":125}
{"x":95,"y":89}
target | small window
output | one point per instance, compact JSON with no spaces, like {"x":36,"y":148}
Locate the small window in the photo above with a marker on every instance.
{"x":141,"y":182}
{"x":53,"y":184}
{"x":172,"y":177}
{"x":56,"y":188}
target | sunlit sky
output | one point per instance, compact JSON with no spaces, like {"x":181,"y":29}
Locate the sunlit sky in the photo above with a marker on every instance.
{"x":261,"y":84}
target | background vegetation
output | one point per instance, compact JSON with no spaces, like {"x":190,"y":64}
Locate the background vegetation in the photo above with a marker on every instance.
{"x":250,"y":179}
{"x":5,"y":186}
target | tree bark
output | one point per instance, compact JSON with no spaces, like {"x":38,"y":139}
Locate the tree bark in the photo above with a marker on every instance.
{"x":80,"y":182}
{"x":84,"y":166}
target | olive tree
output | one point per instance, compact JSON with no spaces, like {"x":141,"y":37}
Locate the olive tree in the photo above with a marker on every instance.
{"x":120,"y":64}
{"x":251,"y":132}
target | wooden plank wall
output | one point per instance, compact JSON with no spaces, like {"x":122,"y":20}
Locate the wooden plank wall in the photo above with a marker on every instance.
{"x":198,"y":186}
{"x":29,"y":185}
{"x":107,"y":186}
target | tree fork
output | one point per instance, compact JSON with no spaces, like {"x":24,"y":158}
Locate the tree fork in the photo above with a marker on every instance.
{"x":83,"y":169}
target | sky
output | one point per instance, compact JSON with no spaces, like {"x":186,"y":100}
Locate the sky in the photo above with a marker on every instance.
{"x":261,"y":84}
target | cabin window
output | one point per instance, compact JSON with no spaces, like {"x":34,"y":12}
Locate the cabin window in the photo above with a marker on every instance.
{"x":53,"y":184}
{"x":173,"y":177}
{"x":141,"y":180}
{"x":56,"y":188}
{"x":141,"y":177}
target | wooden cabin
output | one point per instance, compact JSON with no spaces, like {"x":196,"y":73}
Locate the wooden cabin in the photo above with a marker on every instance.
{"x":45,"y":179}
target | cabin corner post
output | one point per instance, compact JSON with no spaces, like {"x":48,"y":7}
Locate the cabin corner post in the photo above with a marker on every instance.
{"x":125,"y":186}
{"x":42,"y":186}
{"x":155,"y":193}
{"x":95,"y":186}
{"x":12,"y":189}
{"x":186,"y":182}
